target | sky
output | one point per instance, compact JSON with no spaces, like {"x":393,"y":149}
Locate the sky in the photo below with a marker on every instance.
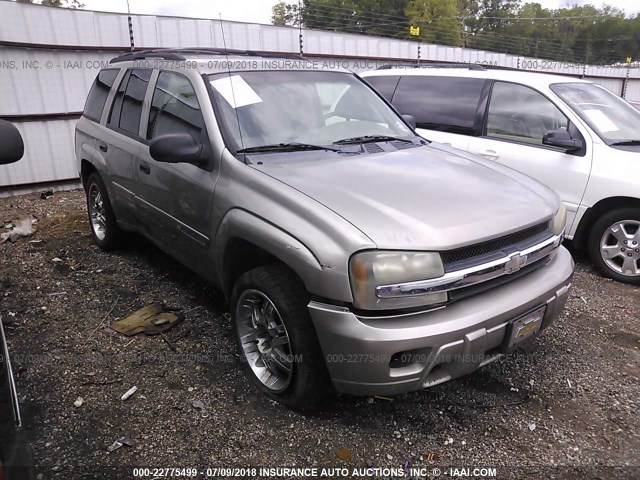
{"x":259,"y":11}
{"x":254,"y":11}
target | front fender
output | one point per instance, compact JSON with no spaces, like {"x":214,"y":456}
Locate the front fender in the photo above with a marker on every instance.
{"x":318,"y":279}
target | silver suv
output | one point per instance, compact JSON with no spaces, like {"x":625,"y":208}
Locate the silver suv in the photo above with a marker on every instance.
{"x":355,"y":256}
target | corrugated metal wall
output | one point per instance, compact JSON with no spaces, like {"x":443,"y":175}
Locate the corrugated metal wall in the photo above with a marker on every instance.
{"x":50,"y":56}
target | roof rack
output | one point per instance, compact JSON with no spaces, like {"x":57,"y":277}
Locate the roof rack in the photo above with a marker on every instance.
{"x":423,"y":64}
{"x":183,"y":53}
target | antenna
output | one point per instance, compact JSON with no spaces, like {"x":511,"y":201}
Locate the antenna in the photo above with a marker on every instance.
{"x":300,"y":36}
{"x":233,"y":94}
{"x":130,"y":26}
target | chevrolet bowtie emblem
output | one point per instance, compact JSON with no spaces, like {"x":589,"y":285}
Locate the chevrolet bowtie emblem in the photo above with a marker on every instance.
{"x":515,"y":263}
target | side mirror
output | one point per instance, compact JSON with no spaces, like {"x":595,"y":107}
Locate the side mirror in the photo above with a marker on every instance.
{"x":176,"y":148}
{"x":12,"y":148}
{"x":410,"y":120}
{"x":561,"y":138}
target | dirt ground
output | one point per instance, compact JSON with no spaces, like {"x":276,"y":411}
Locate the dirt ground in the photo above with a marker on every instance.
{"x":568,"y":399}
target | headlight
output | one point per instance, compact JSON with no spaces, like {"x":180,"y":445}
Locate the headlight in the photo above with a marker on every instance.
{"x":369,"y":270}
{"x":559,"y":220}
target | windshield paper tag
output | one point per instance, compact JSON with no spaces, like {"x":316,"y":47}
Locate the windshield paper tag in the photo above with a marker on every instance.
{"x":236,"y":91}
{"x":601,"y":120}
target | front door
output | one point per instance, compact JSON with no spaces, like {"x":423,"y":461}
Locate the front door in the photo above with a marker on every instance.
{"x":177,"y":198}
{"x":516,"y":120}
{"x":121,"y":143}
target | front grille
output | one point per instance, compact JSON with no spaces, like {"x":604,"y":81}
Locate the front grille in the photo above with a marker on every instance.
{"x":465,"y":292}
{"x":464,"y":257}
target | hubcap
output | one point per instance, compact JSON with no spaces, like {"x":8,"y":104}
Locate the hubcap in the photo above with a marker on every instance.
{"x":620,"y":247}
{"x":97,"y":212}
{"x":264,"y":340}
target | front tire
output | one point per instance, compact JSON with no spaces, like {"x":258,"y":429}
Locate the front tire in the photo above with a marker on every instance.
{"x":102,"y":220}
{"x":614,"y":245}
{"x":277,"y":339}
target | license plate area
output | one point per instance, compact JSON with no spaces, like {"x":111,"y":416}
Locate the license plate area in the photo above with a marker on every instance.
{"x":523,"y":328}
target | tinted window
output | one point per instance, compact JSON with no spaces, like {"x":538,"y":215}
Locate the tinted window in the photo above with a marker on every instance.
{"x":385,"y":85}
{"x":116,"y":107}
{"x":98,"y":94}
{"x":132,"y":101}
{"x":447,"y":104}
{"x":127,"y":105}
{"x":521,"y":114}
{"x":175,"y":107}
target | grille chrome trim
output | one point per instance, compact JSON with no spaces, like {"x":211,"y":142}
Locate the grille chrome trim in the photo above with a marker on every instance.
{"x":473,"y":275}
{"x":523,"y":239}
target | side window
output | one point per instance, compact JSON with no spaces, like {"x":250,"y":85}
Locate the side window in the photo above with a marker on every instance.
{"x":99,"y":93}
{"x":127,"y":105}
{"x":522,"y":114}
{"x":132,"y":101}
{"x":447,"y":104}
{"x":385,"y":85}
{"x":175,"y":107}
{"x":116,"y":107}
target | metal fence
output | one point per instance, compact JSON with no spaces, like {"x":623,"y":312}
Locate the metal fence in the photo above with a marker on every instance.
{"x":49,"y":57}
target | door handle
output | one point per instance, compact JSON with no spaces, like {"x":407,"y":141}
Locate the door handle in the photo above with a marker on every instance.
{"x":489,"y":154}
{"x":144,"y":168}
{"x":103,"y":147}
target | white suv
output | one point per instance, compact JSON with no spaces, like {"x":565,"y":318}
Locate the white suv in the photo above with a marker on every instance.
{"x":572,"y":135}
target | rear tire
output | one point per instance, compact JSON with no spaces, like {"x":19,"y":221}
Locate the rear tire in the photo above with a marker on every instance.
{"x":272,"y":325}
{"x":608,"y":251}
{"x":102,"y":220}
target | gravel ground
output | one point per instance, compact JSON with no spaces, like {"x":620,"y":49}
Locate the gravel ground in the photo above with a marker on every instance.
{"x":569,"y":398}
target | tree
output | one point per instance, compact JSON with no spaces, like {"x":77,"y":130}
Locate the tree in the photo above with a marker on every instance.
{"x":439,"y":20}
{"x":531,"y":37}
{"x":373,"y":17}
{"x":285,"y":14}
{"x":56,"y":3}
{"x":469,"y":11}
{"x":576,"y":34}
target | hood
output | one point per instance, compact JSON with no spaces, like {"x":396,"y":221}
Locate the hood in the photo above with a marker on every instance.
{"x":423,"y":198}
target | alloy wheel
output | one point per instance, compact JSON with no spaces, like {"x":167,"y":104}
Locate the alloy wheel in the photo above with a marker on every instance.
{"x":97,"y":212}
{"x":264,"y":340}
{"x":620,"y":247}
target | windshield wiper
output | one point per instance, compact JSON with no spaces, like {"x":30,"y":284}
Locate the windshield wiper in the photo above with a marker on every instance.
{"x":286,"y":147}
{"x":630,"y":143}
{"x":371,"y":139}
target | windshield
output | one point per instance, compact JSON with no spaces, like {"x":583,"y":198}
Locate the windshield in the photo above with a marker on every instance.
{"x":267,"y":108}
{"x":613,"y":119}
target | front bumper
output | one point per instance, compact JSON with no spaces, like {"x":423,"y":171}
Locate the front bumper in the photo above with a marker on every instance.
{"x":391,"y":355}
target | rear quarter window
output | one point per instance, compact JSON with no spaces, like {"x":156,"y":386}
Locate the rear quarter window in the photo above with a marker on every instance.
{"x":99,"y":93}
{"x":446,"y":104}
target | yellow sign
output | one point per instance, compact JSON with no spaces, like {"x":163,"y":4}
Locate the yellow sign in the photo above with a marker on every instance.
{"x":415,"y":31}
{"x":629,"y":59}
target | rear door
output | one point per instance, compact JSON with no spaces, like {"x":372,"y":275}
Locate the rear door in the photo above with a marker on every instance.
{"x":177,"y":198}
{"x":121,"y":143}
{"x":516,"y":119}
{"x":444,"y":107}
{"x":90,"y":135}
